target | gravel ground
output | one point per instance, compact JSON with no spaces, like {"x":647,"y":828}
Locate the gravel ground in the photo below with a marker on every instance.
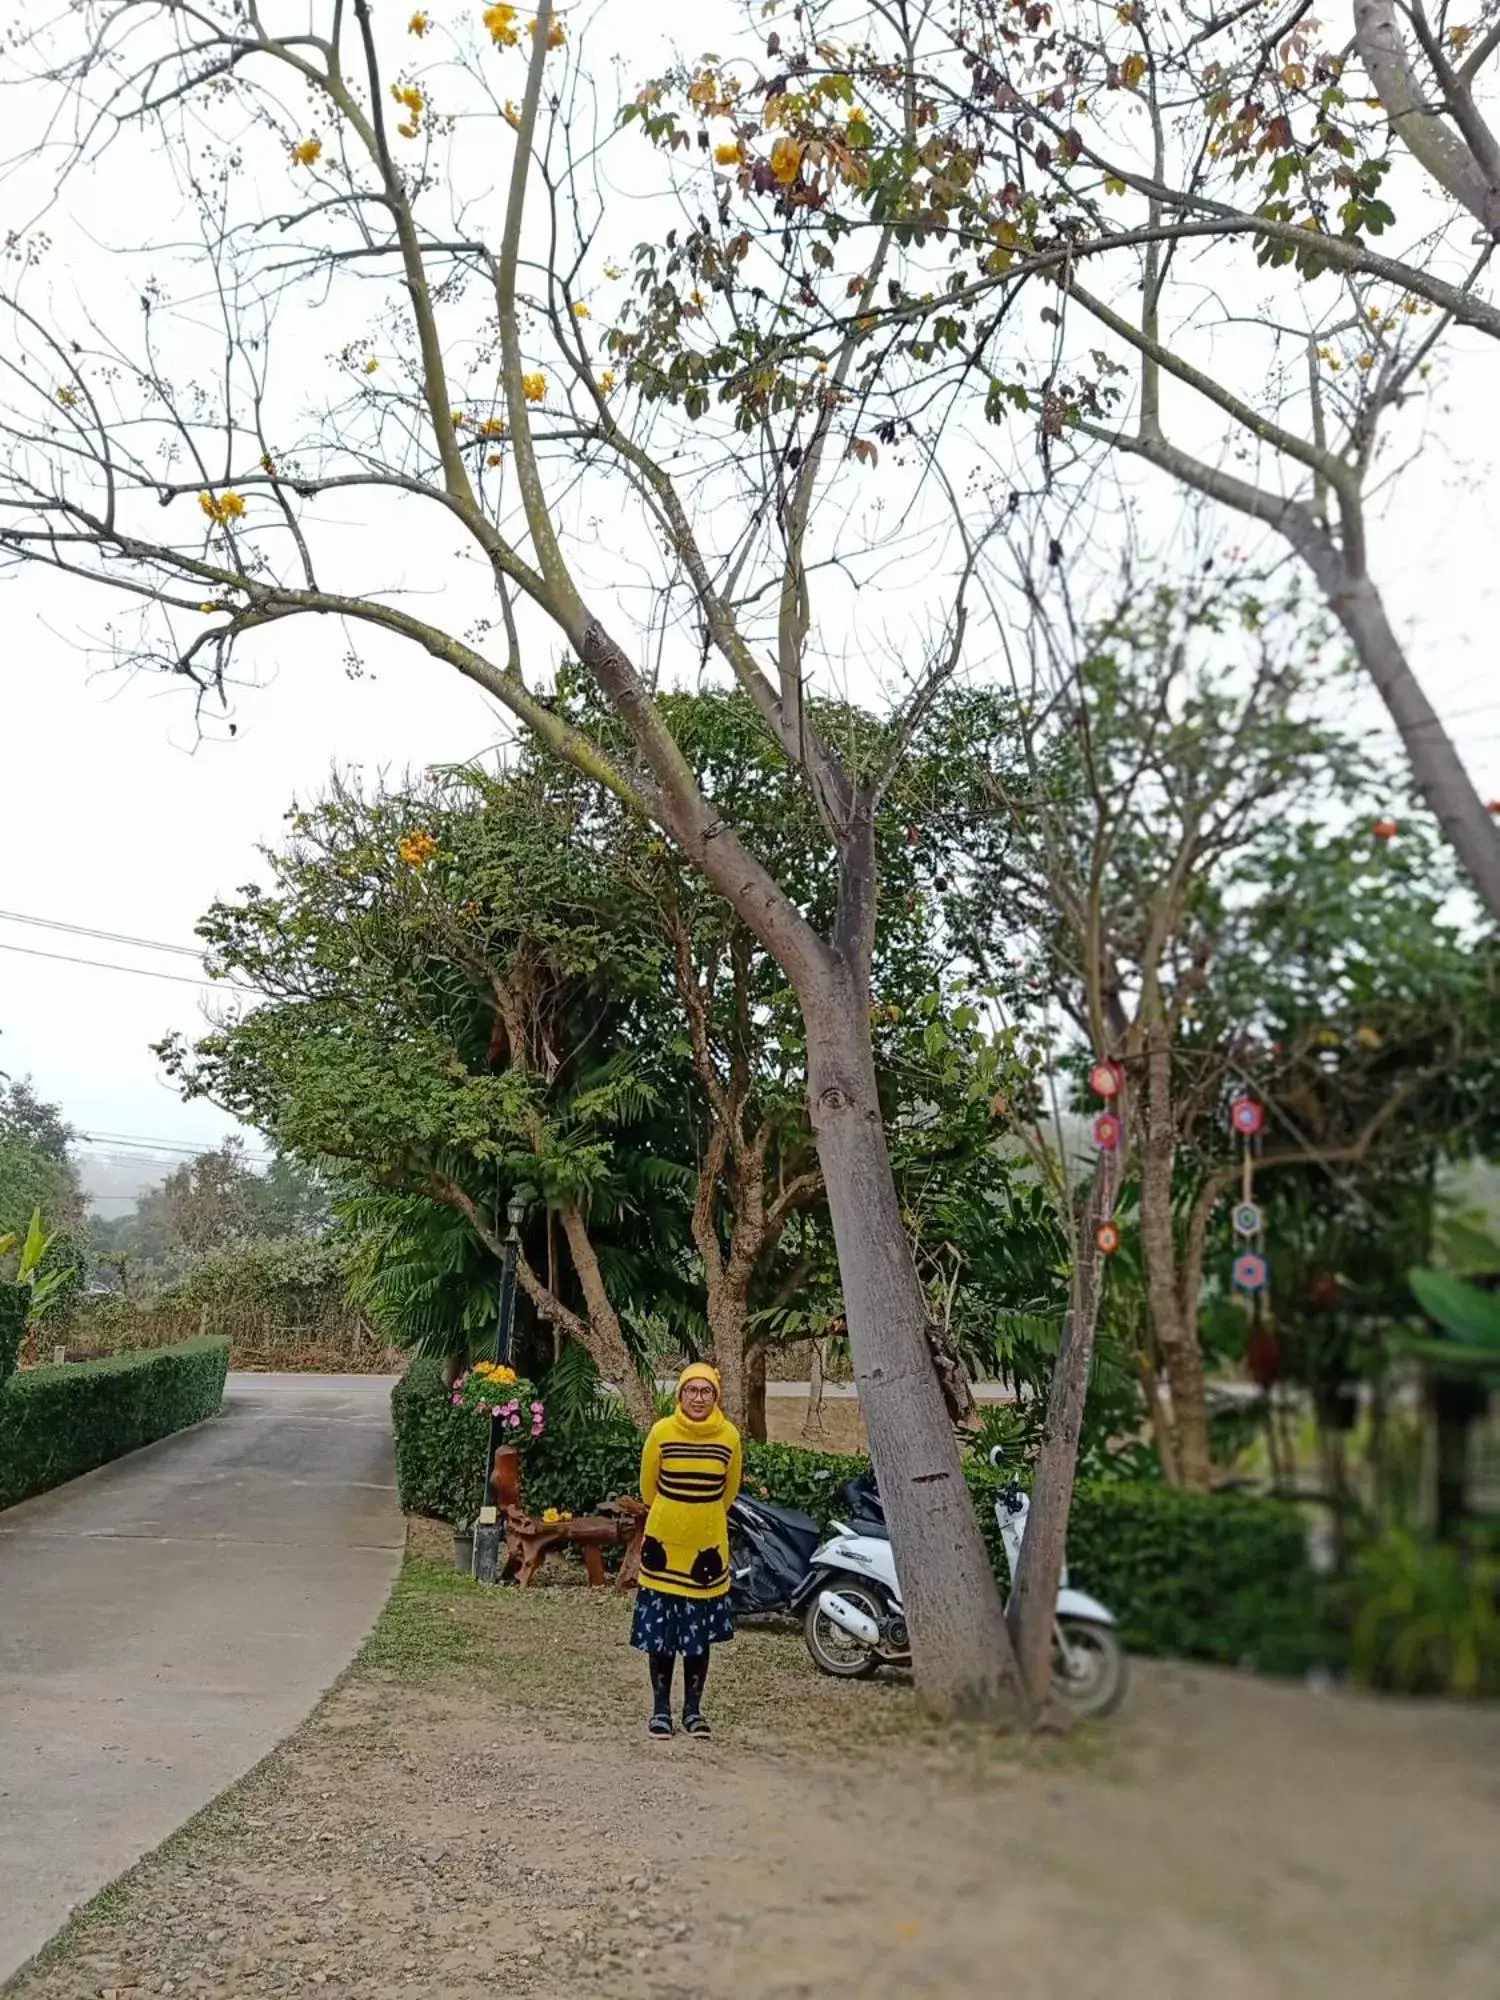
{"x":477,"y":1809}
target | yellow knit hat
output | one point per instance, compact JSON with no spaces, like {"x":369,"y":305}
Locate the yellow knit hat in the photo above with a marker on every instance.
{"x":700,"y":1371}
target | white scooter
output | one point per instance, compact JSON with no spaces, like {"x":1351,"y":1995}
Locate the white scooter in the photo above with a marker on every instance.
{"x":854,"y":1622}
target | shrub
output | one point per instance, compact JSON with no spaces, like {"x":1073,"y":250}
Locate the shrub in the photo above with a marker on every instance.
{"x":58,"y":1422}
{"x":1195,"y":1575}
{"x":1205,"y":1576}
{"x":15,"y":1303}
{"x":1426,"y":1617}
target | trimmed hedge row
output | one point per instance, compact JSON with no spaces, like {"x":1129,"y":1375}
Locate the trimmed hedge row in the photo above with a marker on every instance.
{"x":1207,"y":1576}
{"x":15,"y":1301}
{"x":58,"y":1422}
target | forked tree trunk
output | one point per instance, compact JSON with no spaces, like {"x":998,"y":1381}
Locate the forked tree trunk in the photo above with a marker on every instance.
{"x":756,"y":1357}
{"x":1033,"y":1599}
{"x":961,"y":1652}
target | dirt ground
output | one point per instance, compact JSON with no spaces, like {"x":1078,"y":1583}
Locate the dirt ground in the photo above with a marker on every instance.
{"x":478,"y":1810}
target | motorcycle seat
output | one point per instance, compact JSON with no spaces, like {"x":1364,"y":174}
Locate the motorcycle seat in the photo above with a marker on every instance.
{"x":877,"y":1531}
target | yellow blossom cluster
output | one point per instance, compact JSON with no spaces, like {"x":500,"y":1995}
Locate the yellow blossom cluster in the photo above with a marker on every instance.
{"x":222,"y":507}
{"x":418,"y":25}
{"x":492,"y":1371}
{"x":728,"y":155}
{"x":556,"y":35}
{"x":307,"y":152}
{"x":372,"y":366}
{"x":408,"y":95}
{"x":580,"y":310}
{"x":415,"y":849}
{"x":67,"y":397}
{"x":607,"y":380}
{"x":551,"y":1516}
{"x":534,"y":386}
{"x":501,"y":22}
{"x":492,"y":427}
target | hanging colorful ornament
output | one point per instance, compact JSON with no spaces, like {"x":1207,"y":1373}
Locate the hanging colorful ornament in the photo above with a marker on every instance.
{"x":1246,"y":1117}
{"x":1106,"y":1079}
{"x":1107,"y":1236}
{"x":1106,"y":1131}
{"x":1246,"y":1218}
{"x":1251,"y":1271}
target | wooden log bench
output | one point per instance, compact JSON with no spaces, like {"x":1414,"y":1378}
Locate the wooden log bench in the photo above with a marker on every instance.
{"x":529,"y":1541}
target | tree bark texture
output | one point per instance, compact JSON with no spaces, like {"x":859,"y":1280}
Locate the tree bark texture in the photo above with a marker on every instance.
{"x":1032,"y":1610}
{"x":961,"y":1652}
{"x":1174,"y":1318}
{"x":1442,"y":780}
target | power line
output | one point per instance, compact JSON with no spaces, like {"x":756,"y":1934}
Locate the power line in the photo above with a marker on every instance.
{"x":140,"y":971}
{"x":108,"y":937}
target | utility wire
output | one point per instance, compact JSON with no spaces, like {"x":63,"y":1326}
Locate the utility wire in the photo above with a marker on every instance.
{"x":107,"y":937}
{"x":140,"y":971}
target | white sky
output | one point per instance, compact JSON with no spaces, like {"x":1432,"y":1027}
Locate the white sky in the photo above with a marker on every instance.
{"x":114,"y":815}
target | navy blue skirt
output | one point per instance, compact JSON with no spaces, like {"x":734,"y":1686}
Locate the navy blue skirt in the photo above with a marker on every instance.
{"x":664,"y":1623}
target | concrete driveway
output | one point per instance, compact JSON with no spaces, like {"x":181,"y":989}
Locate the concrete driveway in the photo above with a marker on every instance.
{"x":167,"y":1620}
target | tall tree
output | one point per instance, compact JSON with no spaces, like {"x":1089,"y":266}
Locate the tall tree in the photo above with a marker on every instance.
{"x":482,"y":399}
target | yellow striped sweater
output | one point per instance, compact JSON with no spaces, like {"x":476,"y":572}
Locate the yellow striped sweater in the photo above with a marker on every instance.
{"x":690,"y":1472}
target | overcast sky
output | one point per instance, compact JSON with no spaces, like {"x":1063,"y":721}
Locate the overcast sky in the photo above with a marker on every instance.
{"x":115,"y":815}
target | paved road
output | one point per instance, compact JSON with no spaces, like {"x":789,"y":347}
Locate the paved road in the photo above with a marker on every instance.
{"x":165,"y":1621}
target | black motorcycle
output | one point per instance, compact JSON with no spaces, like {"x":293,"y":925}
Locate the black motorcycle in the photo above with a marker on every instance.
{"x":771,"y":1548}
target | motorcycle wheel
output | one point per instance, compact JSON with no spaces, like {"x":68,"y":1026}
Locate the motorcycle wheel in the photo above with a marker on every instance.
{"x":834,"y":1650}
{"x":1095,"y":1685}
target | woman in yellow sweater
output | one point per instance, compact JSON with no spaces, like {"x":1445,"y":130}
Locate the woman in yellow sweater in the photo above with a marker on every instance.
{"x":690,"y":1473}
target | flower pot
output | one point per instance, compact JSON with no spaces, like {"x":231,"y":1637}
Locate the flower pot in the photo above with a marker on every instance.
{"x":463,"y":1551}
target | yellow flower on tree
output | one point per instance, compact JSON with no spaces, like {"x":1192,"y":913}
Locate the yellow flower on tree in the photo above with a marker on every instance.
{"x":222,"y":507}
{"x":495,"y":458}
{"x":556,"y":35}
{"x":613,"y":271}
{"x":307,"y":152}
{"x":371,"y":366}
{"x":492,"y":427}
{"x":501,"y":22}
{"x":534,"y":386}
{"x":415,"y":849}
{"x":418,"y":25}
{"x":786,"y":159}
{"x":728,"y":155}
{"x":580,"y":310}
{"x":459,"y":419}
{"x":409,"y":95}
{"x":607,"y":380}
{"x":67,"y":397}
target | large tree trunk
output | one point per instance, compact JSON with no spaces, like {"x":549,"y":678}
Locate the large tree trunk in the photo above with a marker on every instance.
{"x":961,"y":1651}
{"x":1435,"y":763}
{"x":1033,"y":1601}
{"x":726,"y":1326}
{"x":1176,"y":1329}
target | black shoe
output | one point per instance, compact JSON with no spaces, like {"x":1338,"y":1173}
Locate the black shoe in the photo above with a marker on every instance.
{"x":660,"y":1725}
{"x":695,"y":1724}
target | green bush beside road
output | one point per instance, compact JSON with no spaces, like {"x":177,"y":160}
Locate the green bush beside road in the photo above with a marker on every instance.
{"x":15,"y":1301}
{"x":1207,"y":1576}
{"x":56,"y":1423}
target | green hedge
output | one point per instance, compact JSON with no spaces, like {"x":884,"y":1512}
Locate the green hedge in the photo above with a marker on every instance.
{"x":1209,"y":1576}
{"x":14,"y":1302}
{"x":58,"y":1422}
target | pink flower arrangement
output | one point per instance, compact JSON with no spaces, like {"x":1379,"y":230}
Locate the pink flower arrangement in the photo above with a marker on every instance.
{"x":476,"y":1390}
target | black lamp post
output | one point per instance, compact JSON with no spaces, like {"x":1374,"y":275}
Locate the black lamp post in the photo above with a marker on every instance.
{"x":487,"y":1534}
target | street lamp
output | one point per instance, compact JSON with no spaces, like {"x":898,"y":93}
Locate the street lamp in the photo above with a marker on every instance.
{"x":487,"y":1534}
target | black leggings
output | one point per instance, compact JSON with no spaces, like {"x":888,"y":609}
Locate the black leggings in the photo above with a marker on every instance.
{"x":694,"y":1674}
